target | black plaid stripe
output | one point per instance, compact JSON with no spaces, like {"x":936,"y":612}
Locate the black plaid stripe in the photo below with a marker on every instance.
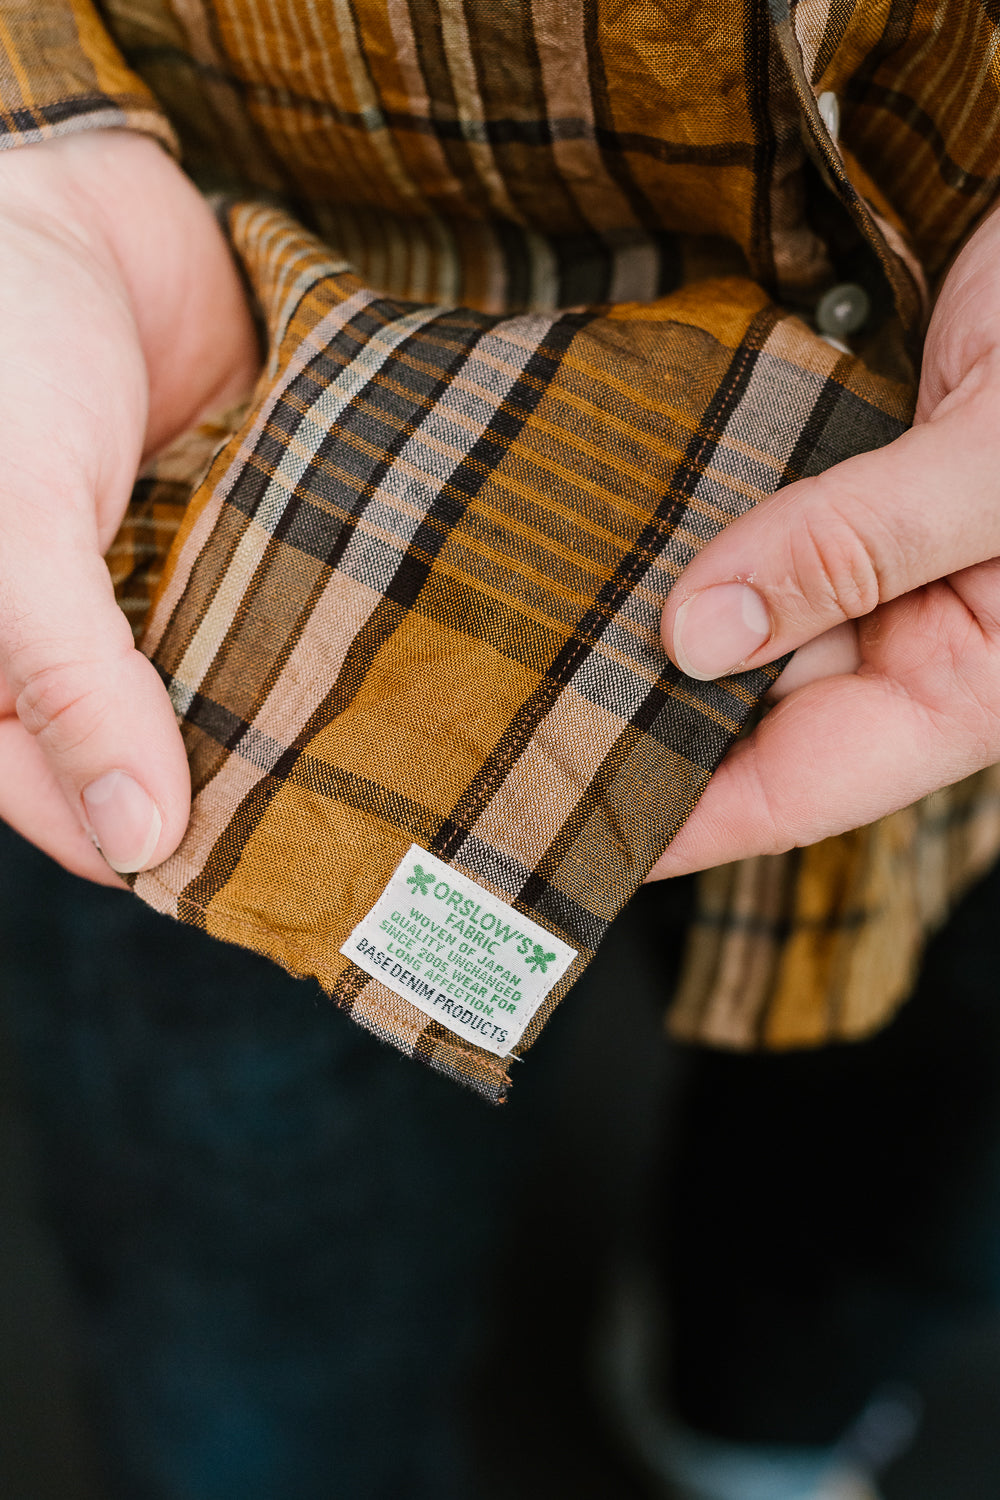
{"x":402,"y":591}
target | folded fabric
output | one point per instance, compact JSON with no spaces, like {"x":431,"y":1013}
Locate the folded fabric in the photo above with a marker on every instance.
{"x":416,"y":601}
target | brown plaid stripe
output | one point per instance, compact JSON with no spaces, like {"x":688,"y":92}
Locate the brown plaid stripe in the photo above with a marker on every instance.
{"x":60,"y":71}
{"x":469,"y":524}
{"x":823,"y":944}
{"x":920,"y":90}
{"x":416,"y":596}
{"x":598,"y":168}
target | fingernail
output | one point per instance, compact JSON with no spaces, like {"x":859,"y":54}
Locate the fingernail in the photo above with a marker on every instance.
{"x":124,"y":820}
{"x":716,"y":630}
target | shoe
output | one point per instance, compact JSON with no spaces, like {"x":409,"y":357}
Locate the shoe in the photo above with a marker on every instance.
{"x":694,"y":1466}
{"x":678,"y":1464}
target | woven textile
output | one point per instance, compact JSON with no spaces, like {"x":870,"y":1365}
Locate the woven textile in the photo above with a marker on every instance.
{"x":536,"y":284}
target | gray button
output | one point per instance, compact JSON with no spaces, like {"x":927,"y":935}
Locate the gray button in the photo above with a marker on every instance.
{"x":829,"y":111}
{"x":843,"y":309}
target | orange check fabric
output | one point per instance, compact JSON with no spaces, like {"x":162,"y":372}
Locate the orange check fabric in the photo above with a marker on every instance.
{"x":536,"y":281}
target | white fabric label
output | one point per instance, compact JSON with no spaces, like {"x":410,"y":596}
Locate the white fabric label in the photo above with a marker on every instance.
{"x":458,"y":953}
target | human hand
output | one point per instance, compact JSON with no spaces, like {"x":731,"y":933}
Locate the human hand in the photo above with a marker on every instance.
{"x":122,"y":321}
{"x":894,"y":551}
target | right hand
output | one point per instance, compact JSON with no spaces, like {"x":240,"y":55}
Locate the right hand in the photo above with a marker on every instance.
{"x":898,"y":551}
{"x":122,"y":322}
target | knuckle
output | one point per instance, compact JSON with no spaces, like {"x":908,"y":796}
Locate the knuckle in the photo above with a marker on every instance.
{"x":62,"y":704}
{"x":777,"y":839}
{"x":833,"y":568}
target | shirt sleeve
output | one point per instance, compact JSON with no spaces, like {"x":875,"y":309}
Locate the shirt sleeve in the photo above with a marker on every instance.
{"x":60,"y":72}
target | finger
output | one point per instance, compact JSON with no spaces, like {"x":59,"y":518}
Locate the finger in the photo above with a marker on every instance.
{"x":829,"y":655}
{"x":32,"y":803}
{"x":830,"y":549}
{"x":95,"y":707}
{"x":836,"y":754}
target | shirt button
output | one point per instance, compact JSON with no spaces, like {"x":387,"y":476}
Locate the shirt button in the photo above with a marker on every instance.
{"x":829,"y":112}
{"x":842,"y":310}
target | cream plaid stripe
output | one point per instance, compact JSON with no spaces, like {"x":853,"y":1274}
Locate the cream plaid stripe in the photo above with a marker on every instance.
{"x":466,"y":524}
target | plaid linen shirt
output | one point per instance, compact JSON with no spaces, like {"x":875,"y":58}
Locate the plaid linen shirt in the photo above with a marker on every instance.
{"x":536,"y":279}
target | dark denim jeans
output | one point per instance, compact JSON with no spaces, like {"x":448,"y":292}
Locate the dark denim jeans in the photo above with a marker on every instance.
{"x":285,"y":1238}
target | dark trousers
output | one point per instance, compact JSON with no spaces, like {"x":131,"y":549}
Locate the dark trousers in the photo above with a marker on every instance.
{"x":828,"y":1218}
{"x":309,"y":1268}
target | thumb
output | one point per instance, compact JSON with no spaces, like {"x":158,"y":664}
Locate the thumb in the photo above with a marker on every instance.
{"x":92,"y":703}
{"x":831,"y":549}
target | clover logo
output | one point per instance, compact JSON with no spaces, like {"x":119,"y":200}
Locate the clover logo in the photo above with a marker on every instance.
{"x":420,"y":881}
{"x":539,"y":959}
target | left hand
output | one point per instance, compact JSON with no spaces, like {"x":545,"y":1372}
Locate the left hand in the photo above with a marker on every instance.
{"x":123,"y":320}
{"x":898,"y":553}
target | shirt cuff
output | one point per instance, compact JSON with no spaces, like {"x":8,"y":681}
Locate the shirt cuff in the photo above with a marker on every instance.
{"x":60,"y":73}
